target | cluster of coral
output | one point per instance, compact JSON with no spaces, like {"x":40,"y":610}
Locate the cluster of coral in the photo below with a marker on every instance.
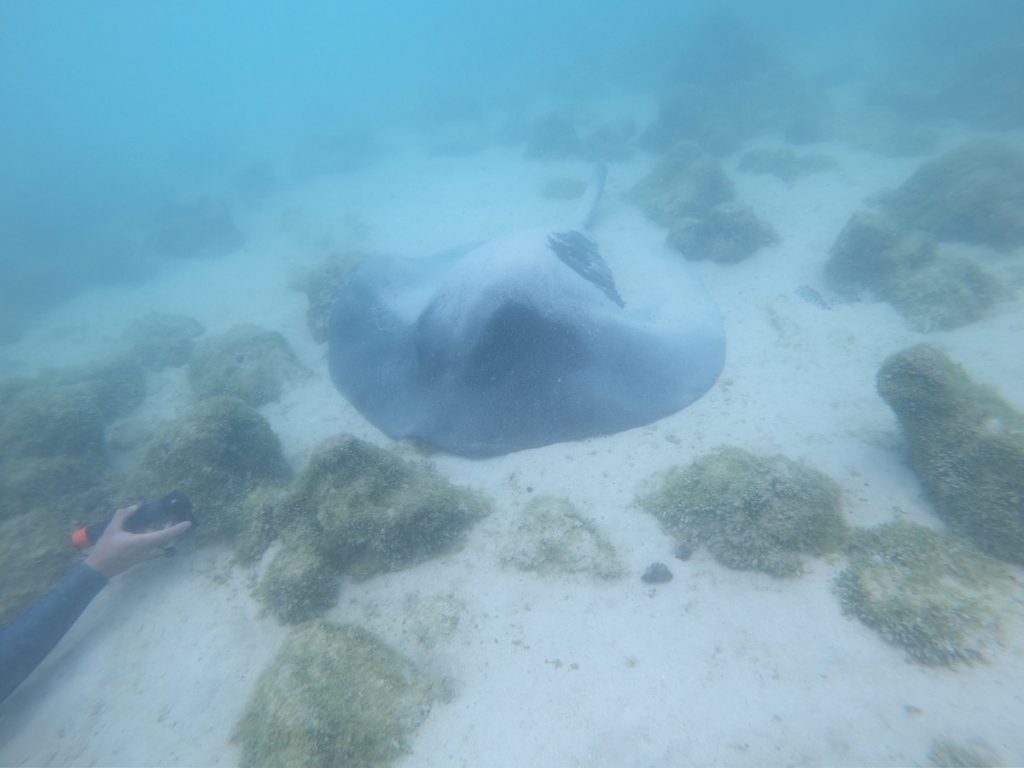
{"x":944,"y":596}
{"x":338,"y":695}
{"x":334,"y":695}
{"x":355,"y":509}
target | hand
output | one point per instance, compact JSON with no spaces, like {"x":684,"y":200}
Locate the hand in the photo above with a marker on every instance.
{"x":118,"y":550}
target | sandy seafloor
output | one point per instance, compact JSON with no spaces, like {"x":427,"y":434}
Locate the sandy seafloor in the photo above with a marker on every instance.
{"x":716,"y":667}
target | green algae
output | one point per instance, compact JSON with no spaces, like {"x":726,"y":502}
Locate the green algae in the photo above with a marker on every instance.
{"x":751,"y":512}
{"x":924,"y":590}
{"x":965,"y":443}
{"x":160,"y":340}
{"x":334,"y":696}
{"x":216,"y":453}
{"x":298,"y":585}
{"x":247,"y":362}
{"x":685,"y":183}
{"x":727,"y":234}
{"x":369,"y":511}
{"x":551,"y":537}
{"x":934,"y":290}
{"x":36,"y":551}
{"x":973,"y":193}
{"x":322,"y":284}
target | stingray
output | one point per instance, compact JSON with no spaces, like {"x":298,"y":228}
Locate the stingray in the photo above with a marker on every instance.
{"x":522,"y":341}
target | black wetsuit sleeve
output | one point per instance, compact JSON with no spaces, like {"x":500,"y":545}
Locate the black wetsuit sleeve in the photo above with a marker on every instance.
{"x":26,"y":642}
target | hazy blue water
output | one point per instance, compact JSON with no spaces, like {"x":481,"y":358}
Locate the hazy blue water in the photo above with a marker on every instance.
{"x":114,"y":107}
{"x":113,"y":110}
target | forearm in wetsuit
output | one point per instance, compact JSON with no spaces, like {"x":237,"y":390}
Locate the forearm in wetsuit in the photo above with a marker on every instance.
{"x":26,"y":642}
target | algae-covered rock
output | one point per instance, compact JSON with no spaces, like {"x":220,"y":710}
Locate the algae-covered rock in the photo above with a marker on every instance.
{"x":948,"y":753}
{"x":257,"y":518}
{"x":689,"y":193}
{"x":433,"y":620}
{"x":35,"y":551}
{"x":51,"y":446}
{"x":118,"y":384}
{"x":369,"y":511}
{"x":785,"y":164}
{"x":216,"y":454}
{"x":752,"y":512}
{"x":160,"y":340}
{"x":37,"y":482}
{"x":334,"y":696}
{"x":247,"y":362}
{"x":973,"y":194}
{"x":965,"y":444}
{"x":945,"y":294}
{"x":322,"y":284}
{"x":728,"y":233}
{"x":551,"y":537}
{"x":47,"y":420}
{"x":53,"y":474}
{"x":298,"y":584}
{"x":873,"y":254}
{"x":927,"y":591}
{"x":886,"y":131}
{"x":686,"y":183}
{"x":871,"y":250}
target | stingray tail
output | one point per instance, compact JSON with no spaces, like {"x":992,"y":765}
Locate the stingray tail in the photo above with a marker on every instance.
{"x":587,"y":211}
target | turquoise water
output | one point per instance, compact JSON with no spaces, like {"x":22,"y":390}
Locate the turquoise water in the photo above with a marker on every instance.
{"x":208,"y":158}
{"x":110,"y":109}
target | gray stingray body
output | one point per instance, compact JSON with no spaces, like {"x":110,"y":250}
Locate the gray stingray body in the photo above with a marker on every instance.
{"x":518,"y":342}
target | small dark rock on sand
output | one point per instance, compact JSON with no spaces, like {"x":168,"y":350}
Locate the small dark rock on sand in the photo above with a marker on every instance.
{"x":683,"y":551}
{"x":656,"y":573}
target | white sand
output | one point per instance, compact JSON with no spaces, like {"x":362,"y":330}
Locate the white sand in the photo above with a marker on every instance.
{"x":717,"y":667}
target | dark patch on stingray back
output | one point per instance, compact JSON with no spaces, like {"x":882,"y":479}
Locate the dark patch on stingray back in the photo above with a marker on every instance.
{"x":523,"y":349}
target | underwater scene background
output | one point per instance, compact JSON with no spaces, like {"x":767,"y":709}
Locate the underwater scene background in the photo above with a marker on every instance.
{"x":816,"y":562}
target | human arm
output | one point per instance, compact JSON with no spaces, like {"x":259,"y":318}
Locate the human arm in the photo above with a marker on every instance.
{"x":26,"y":642}
{"x":30,"y":638}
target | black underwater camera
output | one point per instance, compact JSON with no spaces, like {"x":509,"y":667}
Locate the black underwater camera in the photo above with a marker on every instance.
{"x":173,"y":508}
